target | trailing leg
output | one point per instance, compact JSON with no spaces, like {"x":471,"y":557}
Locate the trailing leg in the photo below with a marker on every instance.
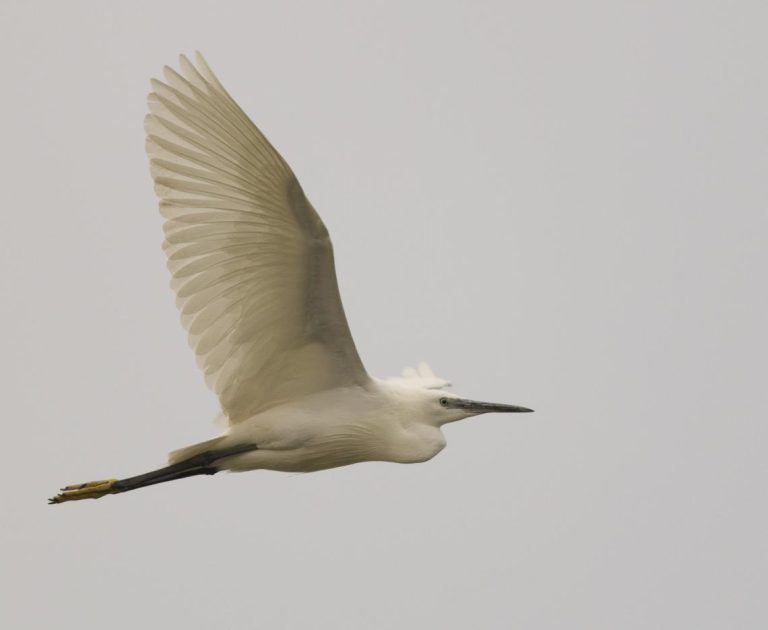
{"x":201,"y":464}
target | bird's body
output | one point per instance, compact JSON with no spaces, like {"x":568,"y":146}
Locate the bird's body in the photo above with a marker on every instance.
{"x":381,"y":422}
{"x":253,"y":271}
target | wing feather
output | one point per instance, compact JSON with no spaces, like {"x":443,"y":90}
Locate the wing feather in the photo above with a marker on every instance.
{"x":251,"y":261}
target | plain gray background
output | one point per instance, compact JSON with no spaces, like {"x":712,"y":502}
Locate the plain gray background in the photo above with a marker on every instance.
{"x":557,"y":204}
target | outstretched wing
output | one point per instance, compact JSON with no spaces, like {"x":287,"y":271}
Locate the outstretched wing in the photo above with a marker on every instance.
{"x":251,"y":260}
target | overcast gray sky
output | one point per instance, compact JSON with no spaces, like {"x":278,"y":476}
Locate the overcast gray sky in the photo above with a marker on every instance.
{"x":557,"y":204}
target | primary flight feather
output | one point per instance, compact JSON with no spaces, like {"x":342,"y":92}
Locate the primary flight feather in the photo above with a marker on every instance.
{"x":253,"y":271}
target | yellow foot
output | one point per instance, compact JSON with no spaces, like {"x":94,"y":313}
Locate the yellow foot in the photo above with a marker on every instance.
{"x":90,"y":490}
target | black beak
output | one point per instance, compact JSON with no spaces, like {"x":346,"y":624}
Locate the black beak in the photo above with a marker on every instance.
{"x":475,"y":406}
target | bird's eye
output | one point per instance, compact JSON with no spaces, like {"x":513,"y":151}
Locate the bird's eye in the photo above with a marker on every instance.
{"x":444,"y":402}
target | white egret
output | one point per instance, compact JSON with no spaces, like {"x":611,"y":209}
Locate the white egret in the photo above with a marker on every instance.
{"x":253,"y":272}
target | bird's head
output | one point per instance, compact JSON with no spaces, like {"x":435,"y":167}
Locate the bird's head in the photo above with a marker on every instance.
{"x":448,"y":407}
{"x":421,"y":388}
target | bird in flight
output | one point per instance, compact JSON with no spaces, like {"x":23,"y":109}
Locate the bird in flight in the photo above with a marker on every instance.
{"x":253,"y":271}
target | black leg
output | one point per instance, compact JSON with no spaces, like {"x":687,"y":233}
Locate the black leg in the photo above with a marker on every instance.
{"x":201,"y":464}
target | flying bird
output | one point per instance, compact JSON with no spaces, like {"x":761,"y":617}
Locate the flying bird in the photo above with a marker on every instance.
{"x":253,"y":271}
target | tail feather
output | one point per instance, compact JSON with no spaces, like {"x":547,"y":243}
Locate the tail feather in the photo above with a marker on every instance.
{"x":182,"y":454}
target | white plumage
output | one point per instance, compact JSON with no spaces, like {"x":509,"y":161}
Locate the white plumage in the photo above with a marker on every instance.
{"x":251,"y":260}
{"x":253,"y":271}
